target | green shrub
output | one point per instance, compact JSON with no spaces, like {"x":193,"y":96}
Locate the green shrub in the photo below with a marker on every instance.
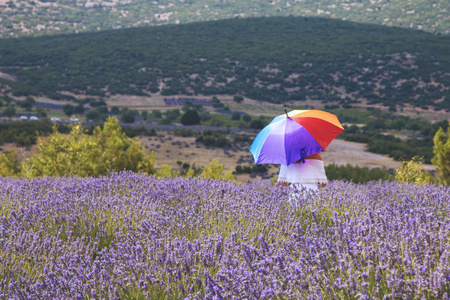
{"x":441,"y":157}
{"x":9,"y":164}
{"x":412,"y":171}
{"x":76,"y":153}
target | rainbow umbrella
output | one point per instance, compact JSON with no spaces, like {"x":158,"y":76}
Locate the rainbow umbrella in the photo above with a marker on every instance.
{"x":295,"y":135}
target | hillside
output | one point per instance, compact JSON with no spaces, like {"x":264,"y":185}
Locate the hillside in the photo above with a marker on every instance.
{"x":43,"y":17}
{"x":270,"y":59}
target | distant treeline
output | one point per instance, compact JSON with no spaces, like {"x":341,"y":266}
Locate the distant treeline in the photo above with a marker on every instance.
{"x":272,"y":59}
{"x":376,"y":129}
{"x":357,"y":174}
{"x":25,"y":133}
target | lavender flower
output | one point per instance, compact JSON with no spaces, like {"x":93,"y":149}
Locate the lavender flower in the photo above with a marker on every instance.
{"x":129,"y":235}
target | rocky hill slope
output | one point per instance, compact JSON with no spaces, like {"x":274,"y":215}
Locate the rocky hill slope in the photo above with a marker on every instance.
{"x":41,"y":17}
{"x":271,"y":59}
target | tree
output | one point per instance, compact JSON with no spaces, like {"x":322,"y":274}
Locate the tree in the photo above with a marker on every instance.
{"x":41,"y":111}
{"x":79,"y":109}
{"x":120,"y":152}
{"x":115,"y":110}
{"x":190,"y":117}
{"x":9,"y":111}
{"x":157,"y":114}
{"x":68,"y":109}
{"x":238,"y":98}
{"x":128,"y":116}
{"x":236,"y":116}
{"x":62,"y":155}
{"x":27,"y":104}
{"x":441,"y":157}
{"x":173,"y":114}
{"x":93,"y":115}
{"x":77,"y":153}
{"x":246,"y":118}
{"x":256,"y":124}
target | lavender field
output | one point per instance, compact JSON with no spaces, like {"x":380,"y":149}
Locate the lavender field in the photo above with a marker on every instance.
{"x":130,"y":236}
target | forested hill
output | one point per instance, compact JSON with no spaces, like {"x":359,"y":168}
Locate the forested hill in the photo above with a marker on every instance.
{"x":43,"y":17}
{"x":271,"y":59}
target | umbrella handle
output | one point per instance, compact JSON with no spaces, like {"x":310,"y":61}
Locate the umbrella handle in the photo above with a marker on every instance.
{"x":285,"y":111}
{"x":302,"y":155}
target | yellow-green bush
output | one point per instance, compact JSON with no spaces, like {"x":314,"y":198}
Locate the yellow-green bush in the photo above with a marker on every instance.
{"x":412,"y":171}
{"x":441,"y":157}
{"x":9,"y":164}
{"x":215,"y":169}
{"x":77,"y":153}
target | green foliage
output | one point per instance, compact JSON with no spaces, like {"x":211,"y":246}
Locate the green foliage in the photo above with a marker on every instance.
{"x":120,"y":152}
{"x":441,"y":157}
{"x":128,"y":115}
{"x":25,"y":133}
{"x":236,"y":116}
{"x":115,"y":110}
{"x":68,"y":109}
{"x":190,"y":117}
{"x":213,"y":139}
{"x":9,"y":111}
{"x":95,"y":115}
{"x":173,"y":114}
{"x":184,"y":132}
{"x":377,"y":133}
{"x":79,"y":109}
{"x":205,"y":116}
{"x":246,"y":118}
{"x":256,"y":124}
{"x":412,"y":171}
{"x":166,"y":171}
{"x":219,"y":62}
{"x":77,"y":153}
{"x":156,"y":114}
{"x":9,"y":164}
{"x":27,"y":104}
{"x":61,"y":155}
{"x":215,"y":171}
{"x":41,"y":111}
{"x":250,"y":169}
{"x":238,"y":98}
{"x":398,"y":149}
{"x":355,"y":174}
{"x":216,"y":103}
{"x":133,"y":131}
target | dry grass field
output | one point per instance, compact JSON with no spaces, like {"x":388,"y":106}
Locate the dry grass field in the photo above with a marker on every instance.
{"x":170,"y":150}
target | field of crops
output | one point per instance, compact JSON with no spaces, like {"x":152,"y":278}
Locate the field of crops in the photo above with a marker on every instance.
{"x":130,"y":236}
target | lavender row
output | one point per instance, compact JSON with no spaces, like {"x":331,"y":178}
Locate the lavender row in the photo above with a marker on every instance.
{"x":133,"y":236}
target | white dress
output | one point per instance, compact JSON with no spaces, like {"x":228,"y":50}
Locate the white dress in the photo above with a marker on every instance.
{"x":309,"y":174}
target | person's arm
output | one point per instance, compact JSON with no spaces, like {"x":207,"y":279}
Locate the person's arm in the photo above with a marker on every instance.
{"x":314,"y":156}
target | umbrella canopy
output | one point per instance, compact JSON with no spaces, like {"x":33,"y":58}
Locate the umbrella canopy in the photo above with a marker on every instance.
{"x":295,"y":135}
